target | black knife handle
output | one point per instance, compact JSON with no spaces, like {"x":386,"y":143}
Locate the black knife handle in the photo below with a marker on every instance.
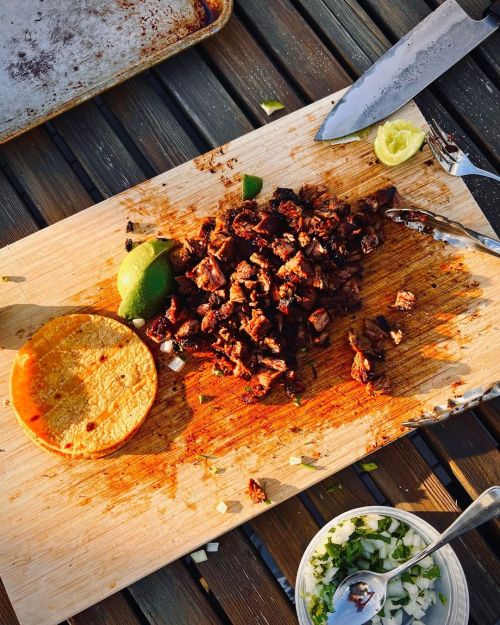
{"x":494,"y":10}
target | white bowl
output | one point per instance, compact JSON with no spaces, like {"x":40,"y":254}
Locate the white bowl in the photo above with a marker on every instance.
{"x":451,"y":584}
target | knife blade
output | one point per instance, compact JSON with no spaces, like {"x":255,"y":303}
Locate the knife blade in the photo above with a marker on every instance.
{"x":442,"y":229}
{"x":422,"y":55}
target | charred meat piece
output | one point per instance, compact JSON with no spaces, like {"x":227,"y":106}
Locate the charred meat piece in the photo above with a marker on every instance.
{"x":260,"y":282}
{"x":256,"y":492}
{"x":319,"y":319}
{"x":405,"y":301}
{"x":396,"y":334}
{"x":207,"y":275}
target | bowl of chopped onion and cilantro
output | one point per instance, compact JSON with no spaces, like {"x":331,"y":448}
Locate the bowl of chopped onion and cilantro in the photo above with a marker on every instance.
{"x":379,"y":538}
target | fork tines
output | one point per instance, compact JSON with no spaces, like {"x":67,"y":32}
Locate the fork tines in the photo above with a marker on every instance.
{"x":442,"y":143}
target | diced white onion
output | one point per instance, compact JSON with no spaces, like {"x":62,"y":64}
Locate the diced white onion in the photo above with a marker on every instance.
{"x":167,"y":347}
{"x":138,"y":323}
{"x":199,"y":556}
{"x":212,"y":547}
{"x":177,"y":364}
{"x":426,"y":563}
{"x":393,"y":526}
{"x":395,"y":588}
{"x":221,"y":507}
{"x":295,"y":460}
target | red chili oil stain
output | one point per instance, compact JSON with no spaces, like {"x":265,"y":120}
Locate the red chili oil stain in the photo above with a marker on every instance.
{"x":179,"y":430}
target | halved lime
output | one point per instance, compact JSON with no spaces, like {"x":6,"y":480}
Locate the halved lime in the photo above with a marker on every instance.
{"x":250,"y":186}
{"x":270,"y":106}
{"x":144,"y":279}
{"x":397,"y":141}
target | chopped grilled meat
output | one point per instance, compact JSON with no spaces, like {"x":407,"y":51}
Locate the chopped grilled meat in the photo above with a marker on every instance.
{"x":257,"y":325}
{"x":396,"y":334}
{"x":362,"y":368}
{"x":297,"y":269}
{"x":259,"y":283}
{"x":207,"y":274}
{"x":405,"y":301}
{"x":256,"y":492}
{"x":319,"y":319}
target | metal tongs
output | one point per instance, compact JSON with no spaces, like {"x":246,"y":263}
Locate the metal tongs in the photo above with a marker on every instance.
{"x":427,"y":222}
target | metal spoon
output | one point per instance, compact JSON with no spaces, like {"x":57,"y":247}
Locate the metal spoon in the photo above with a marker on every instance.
{"x":361,"y":595}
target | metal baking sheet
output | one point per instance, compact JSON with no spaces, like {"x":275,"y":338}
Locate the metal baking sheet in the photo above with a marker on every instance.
{"x":55,"y":54}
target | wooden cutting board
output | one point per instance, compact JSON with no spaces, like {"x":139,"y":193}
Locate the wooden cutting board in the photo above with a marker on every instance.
{"x":75,"y":532}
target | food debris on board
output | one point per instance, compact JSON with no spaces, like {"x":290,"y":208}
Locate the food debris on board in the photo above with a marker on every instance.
{"x":405,"y":301}
{"x":255,"y":491}
{"x":222,"y":507}
{"x":260,"y":283}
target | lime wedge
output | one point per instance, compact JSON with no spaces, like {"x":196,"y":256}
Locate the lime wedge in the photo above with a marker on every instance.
{"x":145,"y":278}
{"x":250,"y":186}
{"x":397,"y":141}
{"x":271,"y":106}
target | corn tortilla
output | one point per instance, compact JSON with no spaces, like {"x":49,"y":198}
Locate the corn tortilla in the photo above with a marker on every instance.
{"x":82,"y":385}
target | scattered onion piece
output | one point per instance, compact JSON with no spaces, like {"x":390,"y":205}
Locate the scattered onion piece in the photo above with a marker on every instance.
{"x":167,"y":347}
{"x":212,"y":547}
{"x":177,"y":364}
{"x":368,"y":466}
{"x":271,"y":106}
{"x":199,"y":556}
{"x":221,"y":507}
{"x":295,"y":460}
{"x":138,"y":323}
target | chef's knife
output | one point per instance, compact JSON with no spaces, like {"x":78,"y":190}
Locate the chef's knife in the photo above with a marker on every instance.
{"x":422,"y":55}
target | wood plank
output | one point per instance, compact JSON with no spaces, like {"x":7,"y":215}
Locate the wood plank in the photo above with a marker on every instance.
{"x":98,"y":149}
{"x":44,"y":174}
{"x":349,"y":31}
{"x":286,"y":531}
{"x":150,"y":123}
{"x":340,"y":492}
{"x":468,"y":451}
{"x":163,"y":498}
{"x":489,"y":413}
{"x":200,"y":95}
{"x":172,"y":597}
{"x":295,"y":47}
{"x":409,"y":484}
{"x":7,"y":614}
{"x":114,"y":610}
{"x":244,"y":586}
{"x":15,"y":219}
{"x":249,"y":71}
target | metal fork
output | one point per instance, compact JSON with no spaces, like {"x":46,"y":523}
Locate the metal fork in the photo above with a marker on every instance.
{"x":450,"y":156}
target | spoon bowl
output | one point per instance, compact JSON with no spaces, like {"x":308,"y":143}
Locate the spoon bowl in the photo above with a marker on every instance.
{"x":358,"y":598}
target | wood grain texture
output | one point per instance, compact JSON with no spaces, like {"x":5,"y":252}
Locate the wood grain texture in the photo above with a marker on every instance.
{"x":286,"y":531}
{"x":151,"y":124}
{"x":469,"y":451}
{"x":7,"y":615}
{"x":240,"y":60}
{"x":45,"y":175}
{"x":489,"y":413}
{"x":203,"y":99}
{"x":98,"y":149}
{"x":296,"y":47}
{"x":409,"y":484}
{"x":15,"y":219}
{"x":253,"y":596}
{"x":155,"y":500}
{"x":172,"y":597}
{"x":114,"y":610}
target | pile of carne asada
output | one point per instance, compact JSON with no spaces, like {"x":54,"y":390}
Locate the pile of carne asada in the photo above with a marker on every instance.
{"x":260,"y":283}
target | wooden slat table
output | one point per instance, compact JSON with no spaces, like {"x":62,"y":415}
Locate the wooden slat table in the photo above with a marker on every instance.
{"x":296,"y":51}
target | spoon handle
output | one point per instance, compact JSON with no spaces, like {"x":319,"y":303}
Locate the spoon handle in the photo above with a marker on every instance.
{"x":486,"y":507}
